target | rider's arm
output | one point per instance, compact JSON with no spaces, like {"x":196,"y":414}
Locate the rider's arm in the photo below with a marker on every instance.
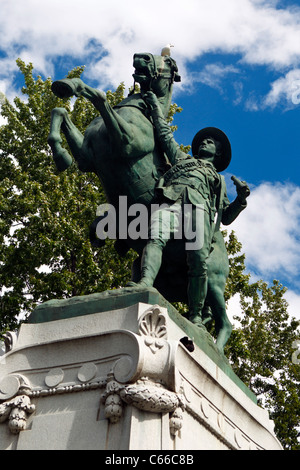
{"x":230,"y":210}
{"x":163,"y":131}
{"x":233,"y":209}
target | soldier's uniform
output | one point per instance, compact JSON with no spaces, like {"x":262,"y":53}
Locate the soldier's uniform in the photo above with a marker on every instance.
{"x":194,"y":184}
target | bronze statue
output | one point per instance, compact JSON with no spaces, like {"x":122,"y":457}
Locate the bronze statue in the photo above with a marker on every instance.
{"x":194,"y":183}
{"x":119,"y":146}
{"x":133,"y":159}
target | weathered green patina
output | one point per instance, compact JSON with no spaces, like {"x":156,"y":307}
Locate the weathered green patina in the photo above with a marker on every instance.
{"x":192,"y":182}
{"x":119,"y":146}
{"x":59,"y":309}
{"x":132,"y":158}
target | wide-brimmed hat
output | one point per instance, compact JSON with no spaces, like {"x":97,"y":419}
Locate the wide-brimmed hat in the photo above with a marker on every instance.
{"x":223,"y":161}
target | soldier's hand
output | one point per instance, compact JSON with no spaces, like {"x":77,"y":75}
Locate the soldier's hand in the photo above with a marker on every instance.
{"x":242,"y":189}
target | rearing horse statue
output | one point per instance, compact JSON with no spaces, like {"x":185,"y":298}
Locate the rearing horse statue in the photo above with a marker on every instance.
{"x":120,"y":147}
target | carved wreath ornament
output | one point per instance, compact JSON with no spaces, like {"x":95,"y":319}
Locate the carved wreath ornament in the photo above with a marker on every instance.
{"x":146,"y":393}
{"x":17,"y":406}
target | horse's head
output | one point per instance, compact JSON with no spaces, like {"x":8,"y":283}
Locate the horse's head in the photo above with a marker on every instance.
{"x":154,"y":72}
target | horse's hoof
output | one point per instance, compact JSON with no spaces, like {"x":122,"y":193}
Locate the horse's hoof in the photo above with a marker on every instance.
{"x":64,"y":88}
{"x":62,"y":159}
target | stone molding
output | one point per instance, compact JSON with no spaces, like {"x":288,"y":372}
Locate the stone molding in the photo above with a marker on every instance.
{"x":141,"y":371}
{"x":146,"y":396}
{"x":154,"y":392}
{"x":153,"y":326}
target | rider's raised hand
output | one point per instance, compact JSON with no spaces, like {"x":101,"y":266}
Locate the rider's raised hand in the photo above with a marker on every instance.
{"x":151,"y":99}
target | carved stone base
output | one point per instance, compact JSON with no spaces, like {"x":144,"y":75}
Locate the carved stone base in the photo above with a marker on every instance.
{"x":120,"y":379}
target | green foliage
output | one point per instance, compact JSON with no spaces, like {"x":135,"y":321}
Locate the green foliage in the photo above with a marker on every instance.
{"x":174,"y":109}
{"x":260,"y":347}
{"x":45,"y":216}
{"x":46,"y":253}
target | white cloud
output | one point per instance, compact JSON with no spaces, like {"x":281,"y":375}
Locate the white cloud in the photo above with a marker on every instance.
{"x":38,"y":31}
{"x":269,"y":230}
{"x":293,"y":300}
{"x":234,"y":308}
{"x":213,"y":74}
{"x":286,"y":89}
{"x":6,"y":92}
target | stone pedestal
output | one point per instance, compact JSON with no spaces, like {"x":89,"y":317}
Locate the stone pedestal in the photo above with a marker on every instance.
{"x":109,"y":371}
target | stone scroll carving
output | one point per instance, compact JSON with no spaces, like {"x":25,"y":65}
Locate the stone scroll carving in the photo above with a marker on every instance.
{"x":154,"y":390}
{"x":9,"y":339}
{"x":143,"y":376}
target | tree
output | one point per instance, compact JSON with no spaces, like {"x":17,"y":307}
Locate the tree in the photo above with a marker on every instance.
{"x":260,"y":348}
{"x":46,"y":253}
{"x":45,"y":216}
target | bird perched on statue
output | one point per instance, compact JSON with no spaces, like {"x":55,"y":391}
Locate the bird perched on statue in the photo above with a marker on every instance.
{"x":166,"y":50}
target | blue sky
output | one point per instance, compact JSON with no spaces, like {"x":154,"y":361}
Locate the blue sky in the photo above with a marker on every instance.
{"x":240,"y":67}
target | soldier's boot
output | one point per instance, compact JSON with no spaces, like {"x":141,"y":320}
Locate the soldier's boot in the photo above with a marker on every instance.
{"x":150,"y":265}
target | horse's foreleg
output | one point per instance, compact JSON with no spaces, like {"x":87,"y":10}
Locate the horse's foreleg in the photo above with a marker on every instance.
{"x":118,"y":128}
{"x":61,"y":156}
{"x":68,"y":87}
{"x":60,"y":121}
{"x":121,"y":132}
